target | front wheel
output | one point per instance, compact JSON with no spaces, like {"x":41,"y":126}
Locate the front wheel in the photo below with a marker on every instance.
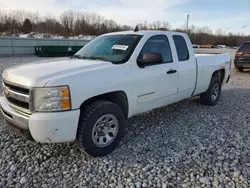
{"x":212,"y":95}
{"x":101,"y":127}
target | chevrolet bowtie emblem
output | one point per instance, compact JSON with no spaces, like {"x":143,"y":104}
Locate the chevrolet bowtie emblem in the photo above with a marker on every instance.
{"x":6,"y":92}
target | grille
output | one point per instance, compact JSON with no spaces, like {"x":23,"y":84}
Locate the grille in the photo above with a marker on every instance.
{"x":17,"y":96}
{"x":21,"y":104}
{"x":17,"y":89}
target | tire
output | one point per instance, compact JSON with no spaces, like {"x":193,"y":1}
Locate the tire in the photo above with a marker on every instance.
{"x":94,"y":134}
{"x":211,"y":97}
{"x":239,"y":69}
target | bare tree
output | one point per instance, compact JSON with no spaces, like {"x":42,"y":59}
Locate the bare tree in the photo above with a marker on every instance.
{"x":67,"y":21}
{"x":76,"y":23}
{"x":166,"y":25}
{"x":80,"y":24}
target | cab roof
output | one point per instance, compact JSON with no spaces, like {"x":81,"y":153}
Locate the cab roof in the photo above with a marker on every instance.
{"x":145,"y":32}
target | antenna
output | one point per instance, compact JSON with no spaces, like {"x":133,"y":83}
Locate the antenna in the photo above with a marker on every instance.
{"x":136,"y":29}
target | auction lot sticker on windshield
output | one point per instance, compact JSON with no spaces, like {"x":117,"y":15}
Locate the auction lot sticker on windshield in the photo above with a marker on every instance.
{"x":120,"y":47}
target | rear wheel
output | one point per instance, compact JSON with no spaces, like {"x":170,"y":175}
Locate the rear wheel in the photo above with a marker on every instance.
{"x":212,"y":95}
{"x":100,"y":128}
{"x":240,"y":69}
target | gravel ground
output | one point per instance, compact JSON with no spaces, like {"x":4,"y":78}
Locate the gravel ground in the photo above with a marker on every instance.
{"x":182,"y":145}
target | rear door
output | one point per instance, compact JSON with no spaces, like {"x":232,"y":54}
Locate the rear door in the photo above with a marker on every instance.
{"x":186,"y":66}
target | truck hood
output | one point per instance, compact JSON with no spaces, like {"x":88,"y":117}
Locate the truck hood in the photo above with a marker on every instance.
{"x":37,"y":74}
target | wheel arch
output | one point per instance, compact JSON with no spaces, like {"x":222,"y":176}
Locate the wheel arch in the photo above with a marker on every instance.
{"x":220,"y":73}
{"x":118,"y":97}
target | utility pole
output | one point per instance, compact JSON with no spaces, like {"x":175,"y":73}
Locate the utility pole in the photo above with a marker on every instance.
{"x":188,"y":16}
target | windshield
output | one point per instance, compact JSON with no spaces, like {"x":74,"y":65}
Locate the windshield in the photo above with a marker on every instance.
{"x":114,"y":48}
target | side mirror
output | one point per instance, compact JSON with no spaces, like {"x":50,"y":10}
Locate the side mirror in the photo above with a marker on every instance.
{"x":150,"y":59}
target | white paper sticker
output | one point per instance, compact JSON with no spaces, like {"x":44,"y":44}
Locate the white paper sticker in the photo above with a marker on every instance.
{"x":120,"y":47}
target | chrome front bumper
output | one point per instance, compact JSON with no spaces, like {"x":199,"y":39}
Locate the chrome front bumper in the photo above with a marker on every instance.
{"x":12,"y":116}
{"x":57,"y":127}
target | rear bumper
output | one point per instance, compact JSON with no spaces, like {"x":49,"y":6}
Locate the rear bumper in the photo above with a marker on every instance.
{"x":242,"y":65}
{"x":42,"y":127}
{"x":238,"y":64}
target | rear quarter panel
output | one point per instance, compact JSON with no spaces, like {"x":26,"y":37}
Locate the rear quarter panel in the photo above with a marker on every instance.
{"x":207,"y":65}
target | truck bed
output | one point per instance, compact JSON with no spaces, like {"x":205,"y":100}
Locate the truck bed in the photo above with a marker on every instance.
{"x":198,"y":54}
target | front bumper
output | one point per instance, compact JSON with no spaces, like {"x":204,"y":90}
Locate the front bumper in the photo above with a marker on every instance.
{"x":55,"y":127}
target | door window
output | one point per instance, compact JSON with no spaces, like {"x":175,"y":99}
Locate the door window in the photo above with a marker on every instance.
{"x":158,"y":44}
{"x":181,"y":48}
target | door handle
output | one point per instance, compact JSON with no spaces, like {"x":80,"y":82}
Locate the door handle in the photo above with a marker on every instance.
{"x":172,"y":71}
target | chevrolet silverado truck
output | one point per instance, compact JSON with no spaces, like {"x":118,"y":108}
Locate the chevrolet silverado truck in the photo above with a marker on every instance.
{"x":88,"y":97}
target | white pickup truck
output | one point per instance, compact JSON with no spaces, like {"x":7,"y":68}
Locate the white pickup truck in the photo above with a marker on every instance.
{"x":88,"y":97}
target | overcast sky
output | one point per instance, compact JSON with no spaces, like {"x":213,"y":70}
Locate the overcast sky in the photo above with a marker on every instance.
{"x":229,"y":15}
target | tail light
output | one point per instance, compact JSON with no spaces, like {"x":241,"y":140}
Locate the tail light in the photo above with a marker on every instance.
{"x":238,"y":54}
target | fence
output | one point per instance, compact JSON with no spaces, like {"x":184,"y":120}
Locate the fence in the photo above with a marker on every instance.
{"x":10,"y":46}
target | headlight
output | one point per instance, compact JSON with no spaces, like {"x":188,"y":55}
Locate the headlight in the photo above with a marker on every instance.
{"x":52,"y":99}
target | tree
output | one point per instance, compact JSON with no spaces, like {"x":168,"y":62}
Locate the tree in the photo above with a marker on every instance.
{"x":67,"y":20}
{"x":78,"y":23}
{"x":166,"y":25}
{"x":27,"y":26}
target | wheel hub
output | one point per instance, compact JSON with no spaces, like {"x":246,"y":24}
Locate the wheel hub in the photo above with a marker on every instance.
{"x":215,"y":91}
{"x":105,"y":130}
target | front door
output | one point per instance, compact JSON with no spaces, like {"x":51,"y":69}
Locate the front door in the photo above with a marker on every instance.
{"x":156,"y":85}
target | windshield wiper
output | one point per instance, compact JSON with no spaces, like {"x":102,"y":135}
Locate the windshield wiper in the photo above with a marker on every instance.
{"x":97,"y":58}
{"x":76,"y":56}
{"x":91,"y":57}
